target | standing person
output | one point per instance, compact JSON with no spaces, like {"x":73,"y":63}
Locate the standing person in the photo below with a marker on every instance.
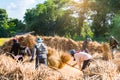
{"x":81,"y":57}
{"x":85,"y":45}
{"x":40,"y":50}
{"x":15,"y":50}
{"x":113,"y":45}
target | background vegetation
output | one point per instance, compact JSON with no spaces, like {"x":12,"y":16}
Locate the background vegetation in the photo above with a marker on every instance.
{"x":95,"y":18}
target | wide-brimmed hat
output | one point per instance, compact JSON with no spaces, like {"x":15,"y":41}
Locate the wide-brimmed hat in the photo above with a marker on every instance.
{"x":39,"y":40}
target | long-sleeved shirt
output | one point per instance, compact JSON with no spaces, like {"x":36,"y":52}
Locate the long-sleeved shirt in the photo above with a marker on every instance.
{"x":16,"y":48}
{"x":43,"y":52}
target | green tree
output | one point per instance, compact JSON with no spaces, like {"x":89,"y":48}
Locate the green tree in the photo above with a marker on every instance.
{"x":114,"y":5}
{"x":115,"y":28}
{"x":86,"y":30}
{"x":82,"y":9}
{"x":3,"y":23}
{"x":15,"y":26}
{"x":100,"y":23}
{"x":66,"y":24}
{"x":43,"y":18}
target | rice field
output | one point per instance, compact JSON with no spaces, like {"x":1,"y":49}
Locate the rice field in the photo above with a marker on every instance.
{"x":59,"y":62}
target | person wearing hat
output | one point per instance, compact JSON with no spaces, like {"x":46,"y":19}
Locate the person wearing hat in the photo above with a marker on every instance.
{"x":113,"y":45}
{"x":80,"y":57}
{"x":40,"y":50}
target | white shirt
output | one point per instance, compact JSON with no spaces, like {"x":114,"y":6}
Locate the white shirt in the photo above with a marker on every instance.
{"x":82,"y":55}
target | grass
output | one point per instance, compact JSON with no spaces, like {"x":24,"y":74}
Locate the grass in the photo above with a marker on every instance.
{"x":2,"y":40}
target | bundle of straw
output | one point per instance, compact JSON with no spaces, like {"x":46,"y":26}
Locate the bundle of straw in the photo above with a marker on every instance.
{"x":107,"y":55}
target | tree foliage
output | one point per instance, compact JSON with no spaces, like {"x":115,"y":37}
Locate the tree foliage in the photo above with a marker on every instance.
{"x":3,"y":23}
{"x":115,"y":29}
{"x":15,"y":26}
{"x":43,"y":18}
{"x":9,"y":26}
{"x":95,"y":18}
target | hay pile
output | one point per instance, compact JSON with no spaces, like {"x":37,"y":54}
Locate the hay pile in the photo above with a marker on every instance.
{"x":58,"y":47}
{"x":103,"y":70}
{"x":95,"y":47}
{"x":24,"y":40}
{"x":58,"y":56}
{"x":7,"y":70}
{"x":60,"y":43}
{"x":7,"y":46}
{"x":107,"y":55}
{"x":65,"y":44}
{"x":117,"y":62}
{"x":1,"y":51}
{"x":11,"y":70}
{"x":57,"y":59}
{"x":28,"y":40}
{"x":25,"y":71}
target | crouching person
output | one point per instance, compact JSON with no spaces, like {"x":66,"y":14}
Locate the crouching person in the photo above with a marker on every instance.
{"x":15,"y":51}
{"x":40,"y":50}
{"x":80,"y":57}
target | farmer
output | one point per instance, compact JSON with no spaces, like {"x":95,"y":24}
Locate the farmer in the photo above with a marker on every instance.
{"x":80,"y":57}
{"x":85,"y":45}
{"x":25,"y":51}
{"x":40,"y":50}
{"x":113,"y":45}
{"x":15,"y":50}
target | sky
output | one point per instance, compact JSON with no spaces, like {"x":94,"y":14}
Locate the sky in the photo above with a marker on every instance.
{"x":17,"y":8}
